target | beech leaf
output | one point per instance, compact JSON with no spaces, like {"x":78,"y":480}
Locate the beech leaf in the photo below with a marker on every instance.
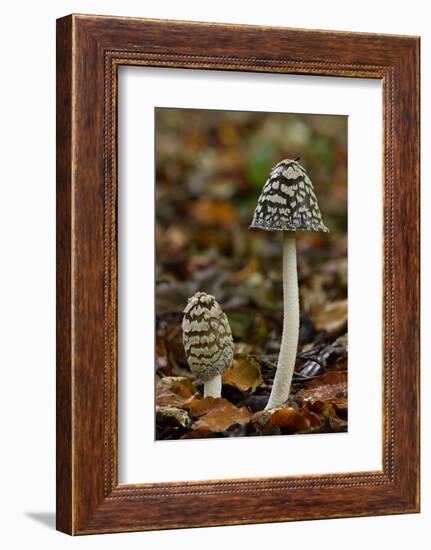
{"x":244,"y":374}
{"x":332,"y":318}
{"x":295,"y":420}
{"x":175,"y":391}
{"x":330,"y":388}
{"x":216,"y":414}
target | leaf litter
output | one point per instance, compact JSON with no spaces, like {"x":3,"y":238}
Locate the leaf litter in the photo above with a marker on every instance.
{"x":210,"y":171}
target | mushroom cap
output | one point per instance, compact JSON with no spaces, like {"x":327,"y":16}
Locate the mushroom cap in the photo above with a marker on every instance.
{"x":207,"y":337}
{"x":287,"y":201}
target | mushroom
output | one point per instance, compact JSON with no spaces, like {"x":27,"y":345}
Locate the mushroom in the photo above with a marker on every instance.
{"x":207,"y":339}
{"x":288,"y":204}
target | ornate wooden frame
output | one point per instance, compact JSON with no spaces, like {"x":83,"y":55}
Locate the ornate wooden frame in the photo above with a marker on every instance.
{"x":89,"y":51}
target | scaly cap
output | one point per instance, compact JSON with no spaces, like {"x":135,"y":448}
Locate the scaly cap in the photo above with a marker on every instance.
{"x":207,"y":337}
{"x":288,"y":202}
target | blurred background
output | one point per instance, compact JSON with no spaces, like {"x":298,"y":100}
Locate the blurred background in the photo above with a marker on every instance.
{"x":210,"y":169}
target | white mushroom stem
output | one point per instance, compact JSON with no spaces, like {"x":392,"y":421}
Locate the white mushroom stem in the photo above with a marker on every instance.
{"x":289,"y":341}
{"x":212,"y":387}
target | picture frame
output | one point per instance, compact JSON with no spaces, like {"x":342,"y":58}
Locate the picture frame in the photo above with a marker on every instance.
{"x":89,"y":51}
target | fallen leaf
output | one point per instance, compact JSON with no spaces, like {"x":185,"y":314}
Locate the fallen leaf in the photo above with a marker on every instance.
{"x":244,"y":374}
{"x":332,"y":356}
{"x":310,"y":368}
{"x":332,"y":318}
{"x":214,"y":213}
{"x":295,"y":420}
{"x":175,"y":391}
{"x":329,"y":388}
{"x":216,"y":414}
{"x":329,"y":379}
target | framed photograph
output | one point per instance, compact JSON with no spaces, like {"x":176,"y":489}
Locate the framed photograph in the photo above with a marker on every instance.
{"x":237,"y":274}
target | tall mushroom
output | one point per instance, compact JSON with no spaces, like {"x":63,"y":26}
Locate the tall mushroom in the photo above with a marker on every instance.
{"x":288,"y":204}
{"x":207,"y":339}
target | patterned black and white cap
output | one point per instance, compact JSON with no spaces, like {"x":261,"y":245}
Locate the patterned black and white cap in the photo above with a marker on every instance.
{"x":288,"y":202}
{"x":207,"y":337}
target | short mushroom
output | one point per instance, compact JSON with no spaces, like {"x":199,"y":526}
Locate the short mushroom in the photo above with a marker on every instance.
{"x":207,"y":339}
{"x":288,"y":204}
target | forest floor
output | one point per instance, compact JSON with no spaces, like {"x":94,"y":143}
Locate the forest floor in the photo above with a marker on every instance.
{"x":211,"y":167}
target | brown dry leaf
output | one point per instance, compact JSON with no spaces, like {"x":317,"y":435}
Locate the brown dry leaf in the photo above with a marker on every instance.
{"x":214,"y":213}
{"x":329,"y":388}
{"x":332,"y":318}
{"x":295,"y":420}
{"x":328,"y":379}
{"x":216,"y":414}
{"x":244,"y":374}
{"x":175,"y":391}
